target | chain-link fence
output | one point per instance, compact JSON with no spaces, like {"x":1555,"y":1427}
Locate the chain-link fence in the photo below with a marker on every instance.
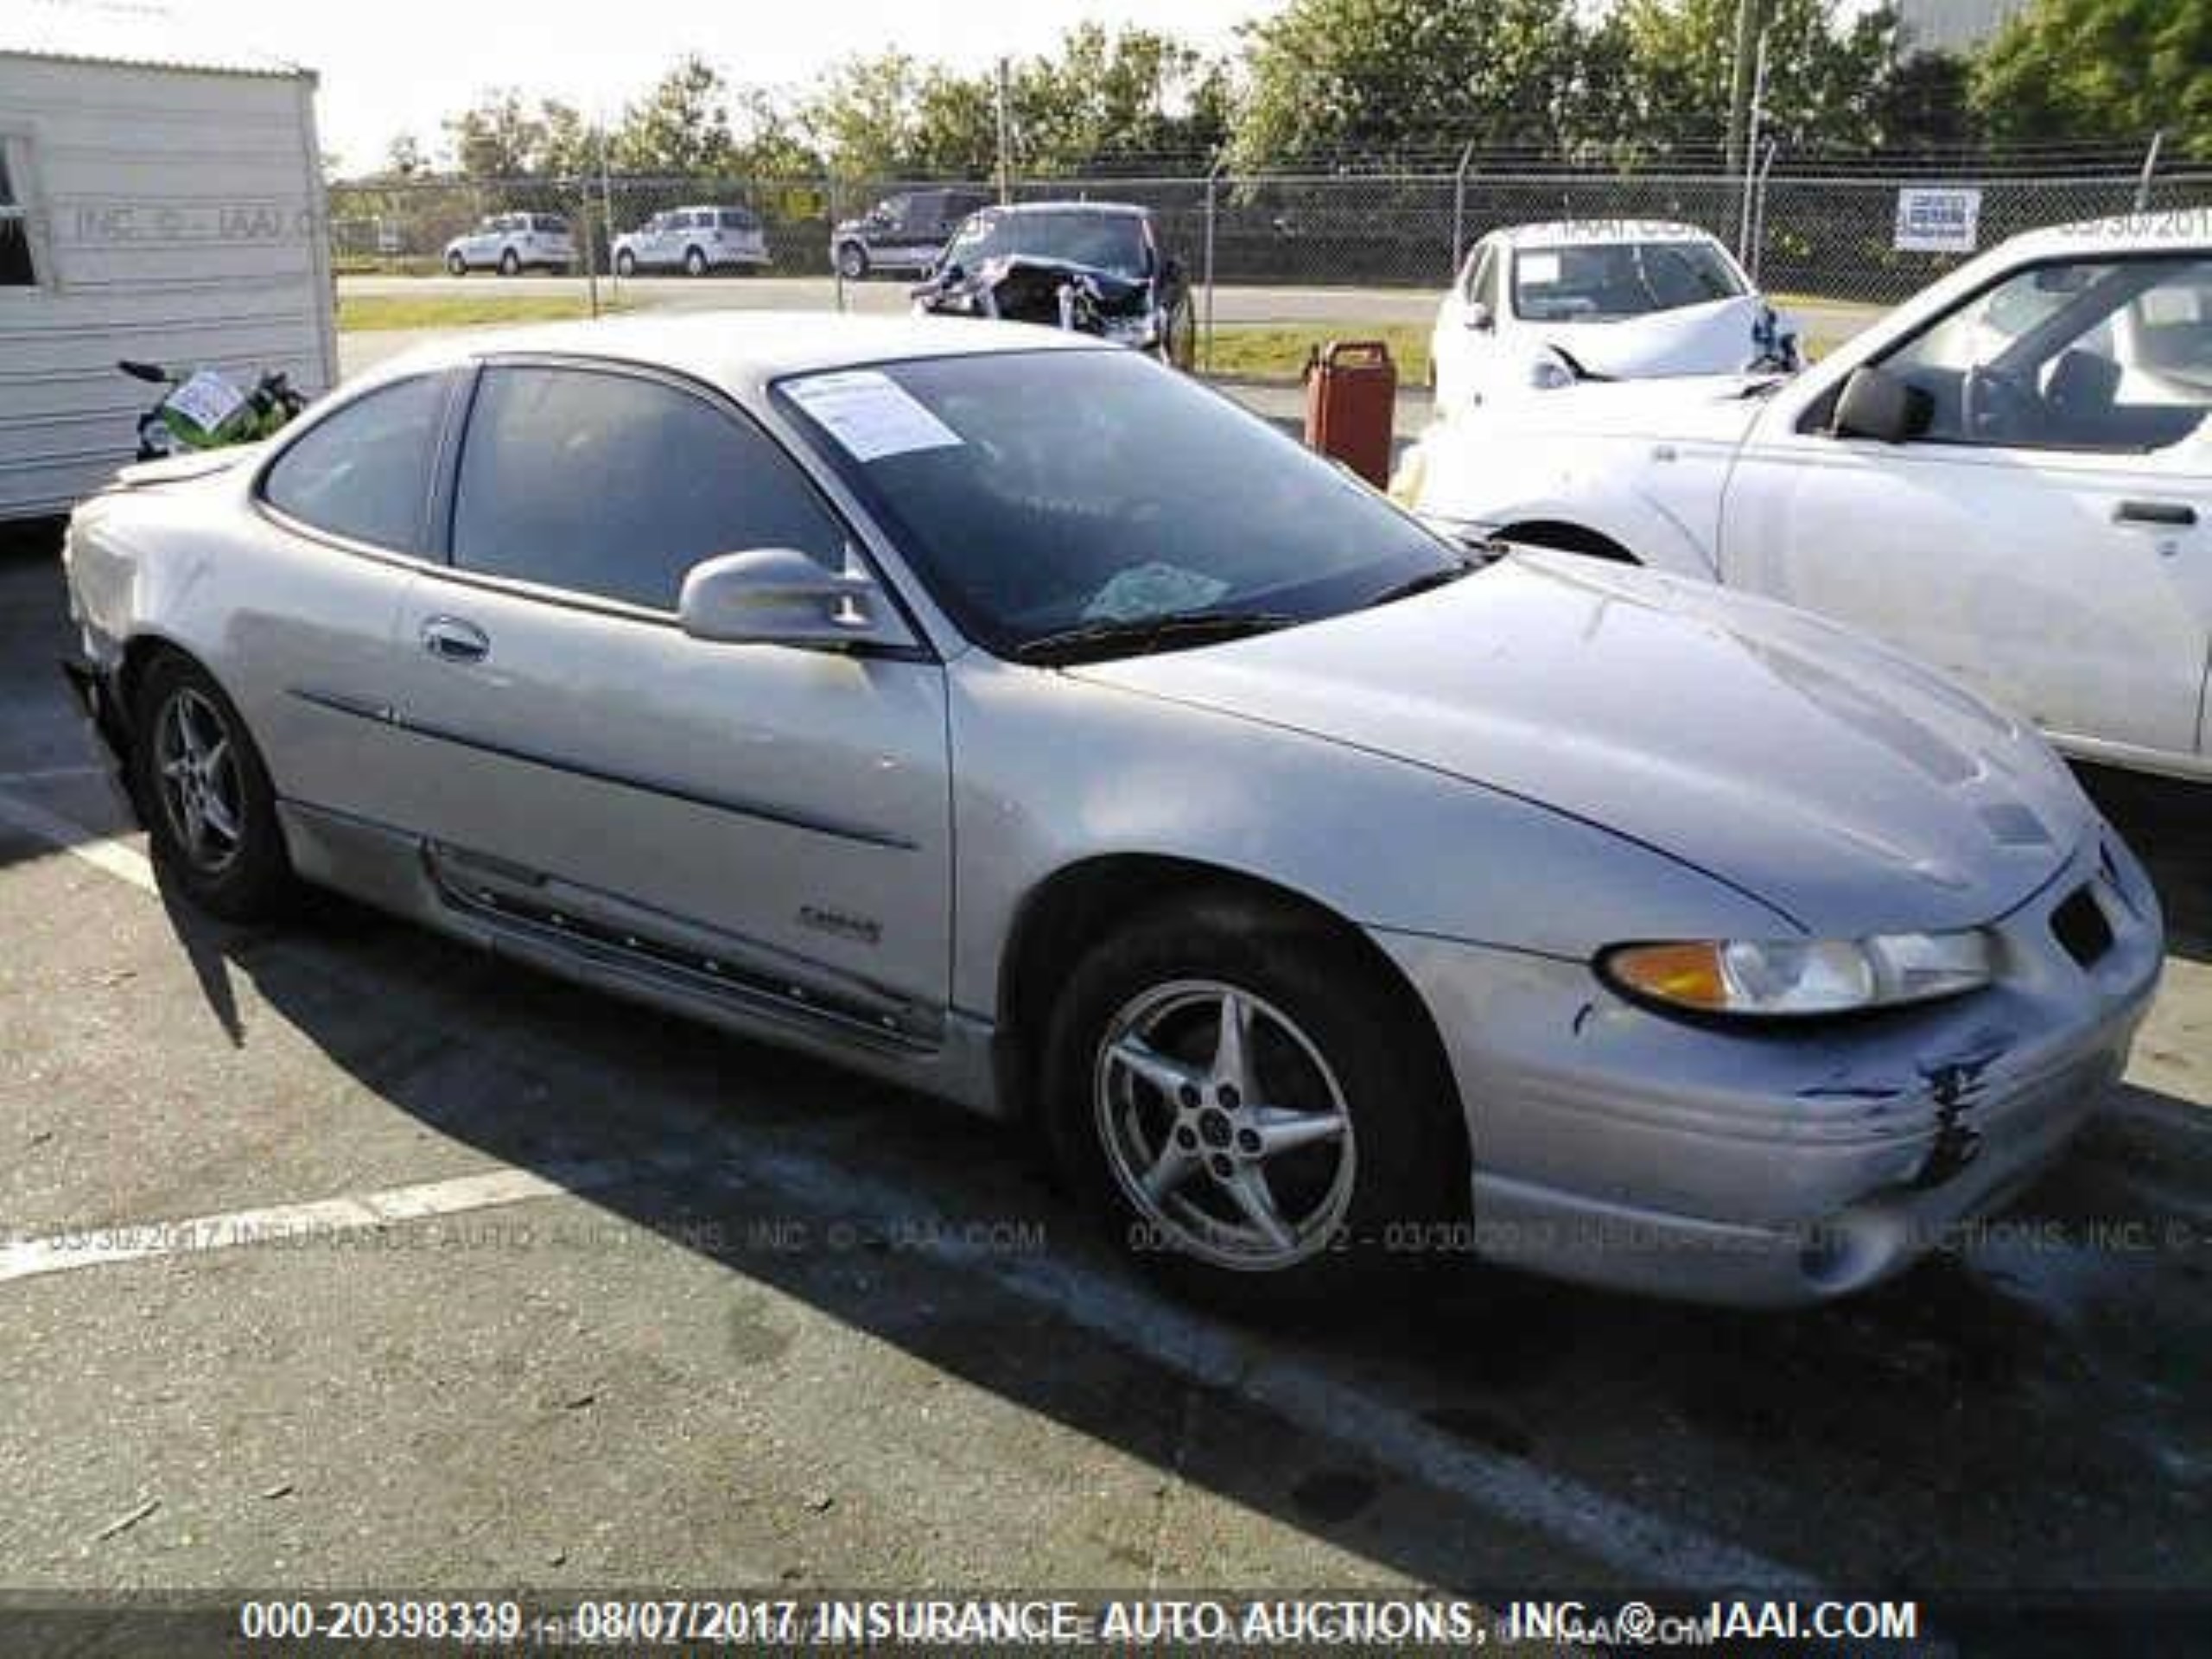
{"x":1813,"y":227}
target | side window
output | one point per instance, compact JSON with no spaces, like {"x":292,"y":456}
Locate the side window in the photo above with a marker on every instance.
{"x":364,"y":472}
{"x":16,"y":266}
{"x":2095,"y":355}
{"x":616,"y":486}
{"x":1490,"y":281}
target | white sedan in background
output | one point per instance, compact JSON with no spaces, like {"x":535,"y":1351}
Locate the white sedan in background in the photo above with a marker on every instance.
{"x":2008,"y":477}
{"x":1537,"y":307}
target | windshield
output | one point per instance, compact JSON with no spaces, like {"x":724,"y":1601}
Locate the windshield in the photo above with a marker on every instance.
{"x":1037,"y":493}
{"x":1111,"y":242}
{"x":1602,"y":281}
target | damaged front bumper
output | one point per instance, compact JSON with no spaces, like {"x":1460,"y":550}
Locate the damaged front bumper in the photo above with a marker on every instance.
{"x":1781,"y":1166}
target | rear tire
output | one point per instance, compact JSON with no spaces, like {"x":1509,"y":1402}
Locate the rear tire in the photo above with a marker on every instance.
{"x":694,"y":263}
{"x":509,"y":263}
{"x":1268,"y":1172}
{"x":211,"y":810}
{"x":852,"y":262}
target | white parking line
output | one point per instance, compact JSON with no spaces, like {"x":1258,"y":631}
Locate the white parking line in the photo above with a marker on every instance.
{"x":51,"y":775}
{"x":1641,"y":1546}
{"x":106,"y":1244}
{"x":106,"y":853}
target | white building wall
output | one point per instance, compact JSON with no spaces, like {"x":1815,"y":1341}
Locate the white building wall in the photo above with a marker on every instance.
{"x":175,"y":214}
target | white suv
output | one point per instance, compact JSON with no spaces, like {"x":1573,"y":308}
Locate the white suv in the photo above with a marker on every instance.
{"x":695,"y":240}
{"x":507,"y":243}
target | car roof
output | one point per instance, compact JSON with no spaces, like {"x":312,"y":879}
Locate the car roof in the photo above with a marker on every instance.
{"x":741,"y":352}
{"x":1114,"y":209}
{"x":2179,"y":230}
{"x":1601,"y":232}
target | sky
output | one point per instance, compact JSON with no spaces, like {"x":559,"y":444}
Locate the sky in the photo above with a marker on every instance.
{"x":394,"y":66}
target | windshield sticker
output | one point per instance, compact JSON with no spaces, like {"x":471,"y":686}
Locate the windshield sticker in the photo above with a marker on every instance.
{"x":1153,"y":590}
{"x":871,"y":414}
{"x":1539,"y":268}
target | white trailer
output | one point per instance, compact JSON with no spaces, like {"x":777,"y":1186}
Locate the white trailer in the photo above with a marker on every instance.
{"x":154,"y":205}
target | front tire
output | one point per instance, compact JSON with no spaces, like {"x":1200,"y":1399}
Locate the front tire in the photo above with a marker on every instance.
{"x":211,"y":810}
{"x":852,"y":262}
{"x":1258,"y":1115}
{"x":455,"y":265}
{"x":625,"y":264}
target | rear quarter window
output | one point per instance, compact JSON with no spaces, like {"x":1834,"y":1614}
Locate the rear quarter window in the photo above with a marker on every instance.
{"x":363,"y":471}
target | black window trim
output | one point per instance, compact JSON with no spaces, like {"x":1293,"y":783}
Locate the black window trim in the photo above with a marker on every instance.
{"x":1818,"y":420}
{"x":419,"y":557}
{"x":445,"y":500}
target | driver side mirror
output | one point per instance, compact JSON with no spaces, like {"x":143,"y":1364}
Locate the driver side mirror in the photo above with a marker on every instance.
{"x":779,"y":596}
{"x":1882,"y":406}
{"x":1479,"y":318}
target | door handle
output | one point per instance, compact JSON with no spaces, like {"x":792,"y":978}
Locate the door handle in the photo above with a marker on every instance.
{"x":452,"y":639}
{"x":2170,"y":515}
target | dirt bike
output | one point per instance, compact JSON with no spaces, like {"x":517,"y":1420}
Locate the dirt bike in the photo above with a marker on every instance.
{"x":204,"y":411}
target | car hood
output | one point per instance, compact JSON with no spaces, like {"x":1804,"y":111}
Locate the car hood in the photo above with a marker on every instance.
{"x":1715,"y":338}
{"x":1850,"y":790}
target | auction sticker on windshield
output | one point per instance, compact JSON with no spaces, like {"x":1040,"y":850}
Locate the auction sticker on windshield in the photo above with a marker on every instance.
{"x":870,"y":413}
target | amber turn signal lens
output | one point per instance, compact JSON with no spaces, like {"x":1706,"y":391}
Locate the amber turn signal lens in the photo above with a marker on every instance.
{"x":1688,"y":976}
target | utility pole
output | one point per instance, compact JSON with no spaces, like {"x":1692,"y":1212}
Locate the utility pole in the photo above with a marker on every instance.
{"x":1750,"y":24}
{"x":1006,"y":160}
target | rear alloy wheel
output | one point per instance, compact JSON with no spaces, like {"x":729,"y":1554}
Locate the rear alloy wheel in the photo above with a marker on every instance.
{"x":211,"y":809}
{"x":509,"y":263}
{"x":1258,"y":1113}
{"x":852,"y":262}
{"x":694,"y":263}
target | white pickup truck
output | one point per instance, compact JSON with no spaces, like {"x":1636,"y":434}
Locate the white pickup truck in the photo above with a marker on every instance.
{"x":2010,"y":476}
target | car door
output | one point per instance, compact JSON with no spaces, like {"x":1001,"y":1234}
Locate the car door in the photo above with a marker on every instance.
{"x":2044,"y":537}
{"x":783,"y":810}
{"x":904,"y":240}
{"x":1466,"y":330}
{"x":342,"y":515}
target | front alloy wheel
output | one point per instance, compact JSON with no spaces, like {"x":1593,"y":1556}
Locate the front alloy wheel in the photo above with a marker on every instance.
{"x":1224,"y":1125}
{"x":1253,"y":1103}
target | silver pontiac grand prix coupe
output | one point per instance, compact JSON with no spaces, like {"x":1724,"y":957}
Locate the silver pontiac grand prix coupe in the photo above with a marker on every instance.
{"x":998,"y":712}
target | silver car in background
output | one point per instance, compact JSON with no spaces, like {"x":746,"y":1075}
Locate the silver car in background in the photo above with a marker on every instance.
{"x":1000,"y":712}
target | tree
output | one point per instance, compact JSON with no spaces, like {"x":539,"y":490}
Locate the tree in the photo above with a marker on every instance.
{"x":1391,"y":77}
{"x":1106,"y":96}
{"x":497,"y":139}
{"x":2101,"y":69}
{"x":1825,"y":74}
{"x":403,"y":157}
{"x":681,"y":128}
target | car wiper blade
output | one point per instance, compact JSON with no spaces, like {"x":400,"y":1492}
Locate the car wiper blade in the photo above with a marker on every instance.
{"x":1423,"y":582}
{"x":1133,"y":635}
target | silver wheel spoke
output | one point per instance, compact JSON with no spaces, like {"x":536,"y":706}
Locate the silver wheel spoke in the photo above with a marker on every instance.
{"x":215,"y":812}
{"x":1169,"y":1075}
{"x":1172,"y":1168}
{"x":1280,"y":1130}
{"x":1232,"y":1063}
{"x":1249,"y":1188}
{"x":218,"y":751}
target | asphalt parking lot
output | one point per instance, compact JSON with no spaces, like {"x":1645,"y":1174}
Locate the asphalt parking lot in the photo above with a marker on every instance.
{"x":500,"y":1283}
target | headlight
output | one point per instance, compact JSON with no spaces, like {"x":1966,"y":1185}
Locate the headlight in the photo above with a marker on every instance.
{"x":1549,"y":372}
{"x":1800,"y":976}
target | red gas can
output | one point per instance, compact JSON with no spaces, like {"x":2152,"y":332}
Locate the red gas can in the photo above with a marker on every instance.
{"x":1351,"y":399}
